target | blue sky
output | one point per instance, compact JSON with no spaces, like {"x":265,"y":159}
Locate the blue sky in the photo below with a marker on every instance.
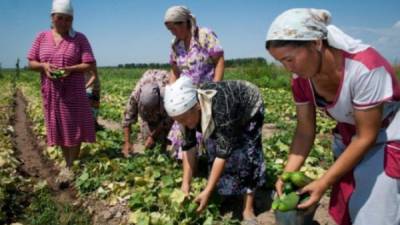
{"x":132,"y":31}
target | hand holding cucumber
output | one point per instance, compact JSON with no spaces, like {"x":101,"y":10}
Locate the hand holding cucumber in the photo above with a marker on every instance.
{"x":54,"y":72}
{"x":57,"y":73}
{"x":315,"y":190}
{"x":289,"y":199}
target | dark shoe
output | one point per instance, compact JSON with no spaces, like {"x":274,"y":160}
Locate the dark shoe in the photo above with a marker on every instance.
{"x":65,"y":177}
{"x":98,"y":127}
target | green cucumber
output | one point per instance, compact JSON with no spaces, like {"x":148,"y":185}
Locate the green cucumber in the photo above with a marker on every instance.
{"x":288,"y":187}
{"x":288,"y":202}
{"x":58,"y":73}
{"x":300,"y":179}
{"x":286,"y":176}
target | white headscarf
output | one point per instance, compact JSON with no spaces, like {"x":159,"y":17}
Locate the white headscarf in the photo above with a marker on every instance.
{"x":182,"y":95}
{"x":62,"y":6}
{"x":181,"y":14}
{"x":302,"y":24}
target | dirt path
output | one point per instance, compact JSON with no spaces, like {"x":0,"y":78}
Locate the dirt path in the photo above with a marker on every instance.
{"x":36,"y":166}
{"x":30,"y":154}
{"x":108,"y":124}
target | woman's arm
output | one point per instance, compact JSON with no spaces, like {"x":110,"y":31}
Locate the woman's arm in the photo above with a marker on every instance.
{"x":41,"y":67}
{"x":215,"y":174}
{"x":216,"y":171}
{"x":36,"y":66}
{"x":130,"y":116}
{"x":189,"y":163}
{"x":92,"y":78}
{"x":219,"y":68}
{"x":368,"y":123}
{"x":82,"y":67}
{"x":174,"y":74}
{"x":302,"y":141}
{"x":303,"y":138}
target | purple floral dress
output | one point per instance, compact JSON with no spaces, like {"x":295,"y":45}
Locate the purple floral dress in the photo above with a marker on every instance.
{"x":196,"y":63}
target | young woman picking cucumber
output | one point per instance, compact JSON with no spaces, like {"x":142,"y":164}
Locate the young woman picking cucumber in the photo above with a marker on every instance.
{"x":358,"y":88}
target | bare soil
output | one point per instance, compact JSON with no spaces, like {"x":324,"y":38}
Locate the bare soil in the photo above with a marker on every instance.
{"x":30,"y":154}
{"x":36,"y":166}
{"x":111,"y":125}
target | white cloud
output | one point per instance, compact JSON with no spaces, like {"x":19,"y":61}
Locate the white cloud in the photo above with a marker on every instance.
{"x":385,"y":39}
{"x":397,"y":25}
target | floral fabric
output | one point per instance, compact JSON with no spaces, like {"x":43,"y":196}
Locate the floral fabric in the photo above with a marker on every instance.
{"x":196,"y":62}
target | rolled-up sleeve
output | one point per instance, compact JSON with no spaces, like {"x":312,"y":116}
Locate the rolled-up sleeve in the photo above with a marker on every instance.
{"x":131,"y":111}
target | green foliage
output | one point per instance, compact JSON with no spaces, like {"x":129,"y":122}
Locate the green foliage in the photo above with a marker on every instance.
{"x":44,"y":210}
{"x":149,"y":181}
{"x":259,"y":72}
{"x":13,"y":187}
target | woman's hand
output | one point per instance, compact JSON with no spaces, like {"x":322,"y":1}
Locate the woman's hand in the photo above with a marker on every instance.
{"x":279,"y":186}
{"x":48,"y":69}
{"x":316,"y":190}
{"x":149,"y":142}
{"x":202,"y":200}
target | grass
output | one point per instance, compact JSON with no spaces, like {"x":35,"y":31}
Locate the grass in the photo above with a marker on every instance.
{"x":260,"y":73}
{"x":44,"y":210}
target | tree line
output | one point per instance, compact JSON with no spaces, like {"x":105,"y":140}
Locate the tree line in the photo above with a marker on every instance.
{"x":228,"y":63}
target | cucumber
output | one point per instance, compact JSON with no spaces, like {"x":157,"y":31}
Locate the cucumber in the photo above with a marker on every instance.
{"x":286,"y":176}
{"x":275,"y":203}
{"x":58,"y":73}
{"x":304,"y":197}
{"x":300,"y":179}
{"x":288,"y":187}
{"x":288,"y":202}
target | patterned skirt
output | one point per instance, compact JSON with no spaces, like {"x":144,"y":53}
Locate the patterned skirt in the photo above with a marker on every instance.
{"x":245,"y":167}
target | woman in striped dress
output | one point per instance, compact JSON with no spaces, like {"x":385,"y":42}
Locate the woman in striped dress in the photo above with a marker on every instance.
{"x":67,"y":112}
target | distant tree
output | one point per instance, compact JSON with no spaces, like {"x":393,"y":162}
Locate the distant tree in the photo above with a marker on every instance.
{"x":244,"y":61}
{"x":1,"y":72}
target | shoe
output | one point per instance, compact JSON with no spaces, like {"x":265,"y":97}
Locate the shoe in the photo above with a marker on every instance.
{"x":65,"y":177}
{"x":98,"y":127}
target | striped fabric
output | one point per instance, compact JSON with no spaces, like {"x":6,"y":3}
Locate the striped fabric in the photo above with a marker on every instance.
{"x":67,"y":112}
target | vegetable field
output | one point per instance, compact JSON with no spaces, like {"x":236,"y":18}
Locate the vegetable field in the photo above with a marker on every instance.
{"x":143,"y":189}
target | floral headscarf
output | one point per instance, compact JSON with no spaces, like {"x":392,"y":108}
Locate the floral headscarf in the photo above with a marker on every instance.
{"x":181,"y":14}
{"x":307,"y":24}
